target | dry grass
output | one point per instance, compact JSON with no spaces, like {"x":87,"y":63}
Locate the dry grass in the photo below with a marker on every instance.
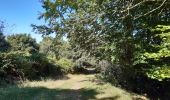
{"x":76,"y":87}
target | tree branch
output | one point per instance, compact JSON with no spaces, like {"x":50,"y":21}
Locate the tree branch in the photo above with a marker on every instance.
{"x":132,"y":7}
{"x":148,"y":13}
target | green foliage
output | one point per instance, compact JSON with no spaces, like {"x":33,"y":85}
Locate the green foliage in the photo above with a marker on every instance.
{"x":110,"y":72}
{"x":27,"y":66}
{"x":66,"y":65}
{"x":55,"y":48}
{"x":119,"y":31}
{"x":22,"y":42}
{"x":13,"y":66}
{"x":4,"y":45}
{"x":47,"y":47}
{"x":14,"y":58}
{"x":159,"y":73}
{"x":26,"y":63}
{"x":159,"y":59}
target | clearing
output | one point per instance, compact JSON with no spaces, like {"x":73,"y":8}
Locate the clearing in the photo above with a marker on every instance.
{"x":74,"y":87}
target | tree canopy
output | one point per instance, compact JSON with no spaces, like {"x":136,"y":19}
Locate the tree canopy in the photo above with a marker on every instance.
{"x":133,"y":34}
{"x":3,"y":43}
{"x":126,"y":41}
{"x":22,"y":42}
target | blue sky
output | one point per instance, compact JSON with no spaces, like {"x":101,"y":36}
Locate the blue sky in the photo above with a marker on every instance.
{"x":19,"y":15}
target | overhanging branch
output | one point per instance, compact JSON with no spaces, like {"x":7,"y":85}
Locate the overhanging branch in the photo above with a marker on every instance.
{"x":148,"y":13}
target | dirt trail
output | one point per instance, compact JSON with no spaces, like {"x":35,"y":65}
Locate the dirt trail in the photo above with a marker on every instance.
{"x":74,"y":87}
{"x":87,"y":87}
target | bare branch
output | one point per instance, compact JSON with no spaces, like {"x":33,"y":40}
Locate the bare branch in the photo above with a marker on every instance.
{"x":148,"y":13}
{"x":129,"y":8}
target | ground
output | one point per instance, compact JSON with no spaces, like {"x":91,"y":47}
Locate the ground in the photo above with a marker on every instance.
{"x":72,"y":87}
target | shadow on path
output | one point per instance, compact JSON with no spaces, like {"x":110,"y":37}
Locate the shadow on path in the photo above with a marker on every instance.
{"x":42,"y":93}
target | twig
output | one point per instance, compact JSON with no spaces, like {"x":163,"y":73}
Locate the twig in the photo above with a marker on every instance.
{"x":148,"y":13}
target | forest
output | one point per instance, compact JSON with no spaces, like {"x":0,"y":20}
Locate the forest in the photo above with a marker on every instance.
{"x":126,"y":43}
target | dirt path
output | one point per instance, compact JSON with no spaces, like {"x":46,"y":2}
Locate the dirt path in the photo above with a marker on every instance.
{"x":75,"y":87}
{"x":86,"y":87}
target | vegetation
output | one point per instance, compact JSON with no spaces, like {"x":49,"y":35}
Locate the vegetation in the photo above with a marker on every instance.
{"x":126,"y":41}
{"x":22,"y":42}
{"x":3,"y":43}
{"x":72,"y":88}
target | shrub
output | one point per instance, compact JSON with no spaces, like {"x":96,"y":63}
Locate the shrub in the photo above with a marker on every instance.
{"x":20,"y":65}
{"x":66,"y":65}
{"x":110,"y":72}
{"x":10,"y":66}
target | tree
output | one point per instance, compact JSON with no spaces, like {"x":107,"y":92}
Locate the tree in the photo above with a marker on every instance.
{"x":4,"y":45}
{"x":49,"y":47}
{"x":46,"y":46}
{"x":113,"y":22}
{"x":23,"y":42}
{"x":119,"y":31}
{"x":158,"y":59}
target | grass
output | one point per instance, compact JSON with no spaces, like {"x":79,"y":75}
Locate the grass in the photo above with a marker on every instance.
{"x":76,"y":87}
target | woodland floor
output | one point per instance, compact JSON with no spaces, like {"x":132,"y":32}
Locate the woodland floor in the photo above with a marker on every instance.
{"x":73,"y":87}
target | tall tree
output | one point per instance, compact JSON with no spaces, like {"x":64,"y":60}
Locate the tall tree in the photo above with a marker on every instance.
{"x":116,"y":30}
{"x":3,"y":43}
{"x":87,"y":21}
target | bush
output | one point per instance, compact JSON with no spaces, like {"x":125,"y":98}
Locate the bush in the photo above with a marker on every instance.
{"x":110,"y":72}
{"x":16,"y":66}
{"x":10,"y":66}
{"x":66,"y":65}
